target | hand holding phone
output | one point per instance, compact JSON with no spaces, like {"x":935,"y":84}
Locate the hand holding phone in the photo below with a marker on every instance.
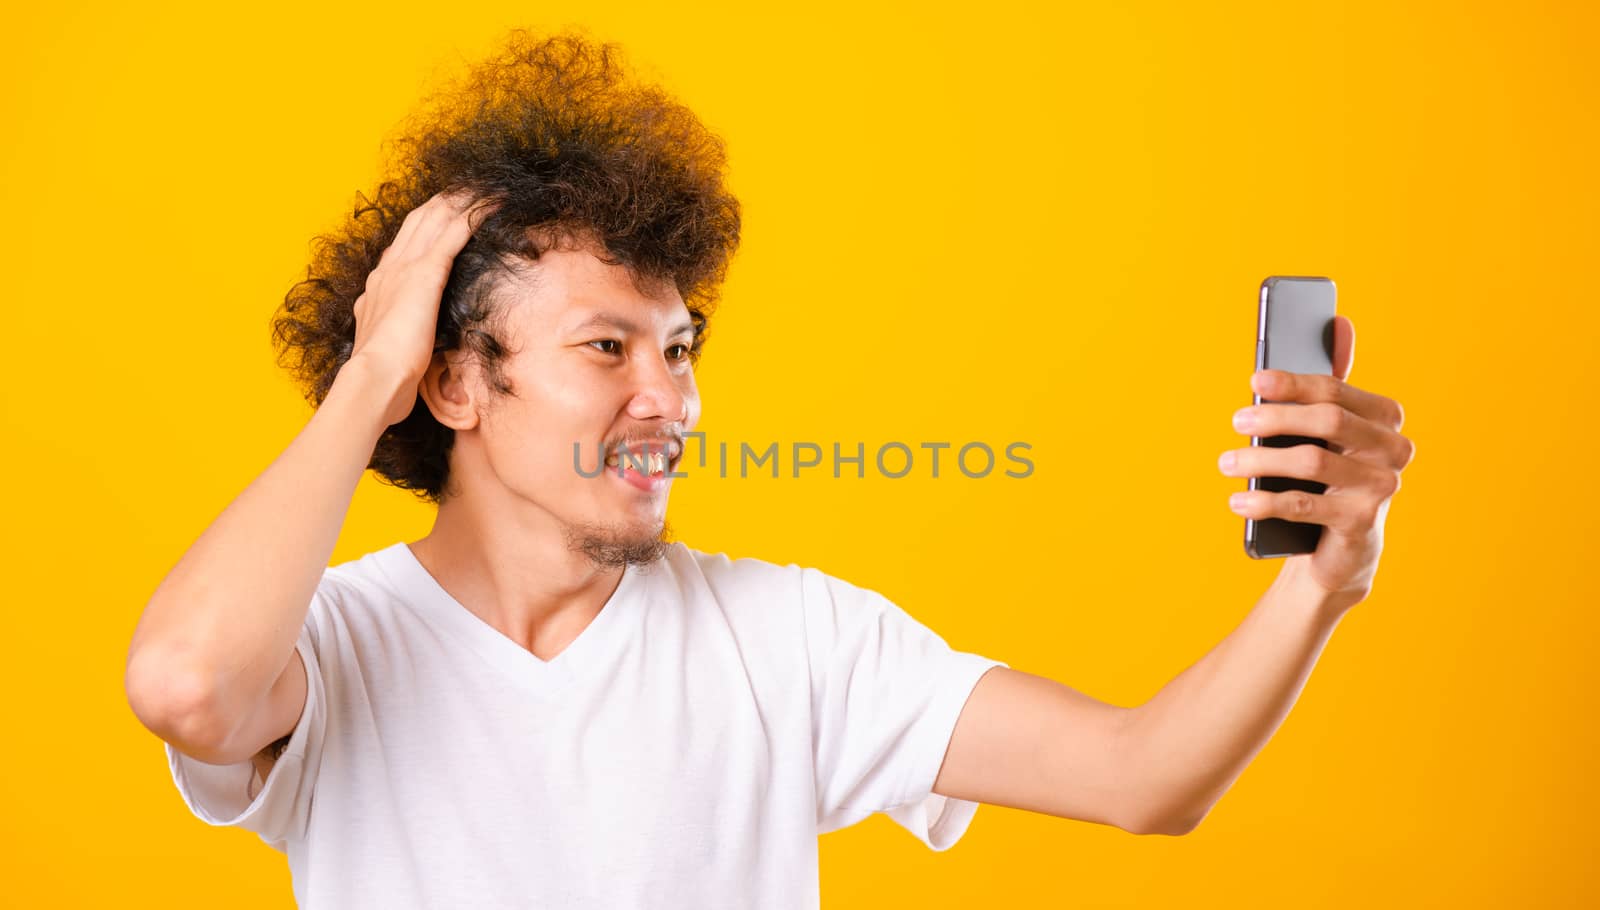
{"x":1294,"y":333}
{"x":1329,"y":512}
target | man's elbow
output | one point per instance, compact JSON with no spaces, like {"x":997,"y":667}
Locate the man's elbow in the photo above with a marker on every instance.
{"x":1168,"y":823}
{"x":1183,"y":826}
{"x":1159,"y":806}
{"x":177,"y":708}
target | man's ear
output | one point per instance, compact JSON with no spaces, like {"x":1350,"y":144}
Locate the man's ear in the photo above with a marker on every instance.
{"x":447,"y":391}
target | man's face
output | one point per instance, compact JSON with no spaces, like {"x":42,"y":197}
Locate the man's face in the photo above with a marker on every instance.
{"x":598,"y":365}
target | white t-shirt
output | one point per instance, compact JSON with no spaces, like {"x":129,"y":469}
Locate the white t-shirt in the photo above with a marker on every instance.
{"x":684,"y":751}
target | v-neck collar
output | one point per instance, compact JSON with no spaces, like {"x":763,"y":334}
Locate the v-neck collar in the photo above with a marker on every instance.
{"x":414,"y":586}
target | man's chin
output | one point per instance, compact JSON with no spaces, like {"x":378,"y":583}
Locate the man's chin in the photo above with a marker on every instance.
{"x":618,"y":546}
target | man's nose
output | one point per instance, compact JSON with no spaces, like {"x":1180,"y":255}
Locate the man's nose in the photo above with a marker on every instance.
{"x":659,"y":392}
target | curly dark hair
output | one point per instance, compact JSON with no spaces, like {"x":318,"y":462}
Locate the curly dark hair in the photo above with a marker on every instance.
{"x":571,"y":145}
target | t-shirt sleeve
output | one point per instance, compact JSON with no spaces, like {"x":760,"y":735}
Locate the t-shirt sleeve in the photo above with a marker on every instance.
{"x":279,"y":809}
{"x":886,"y":692}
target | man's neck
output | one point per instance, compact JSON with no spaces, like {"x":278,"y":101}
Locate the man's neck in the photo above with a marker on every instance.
{"x":529,"y":585}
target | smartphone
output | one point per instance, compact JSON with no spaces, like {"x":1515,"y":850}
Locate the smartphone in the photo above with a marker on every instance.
{"x":1294,"y":333}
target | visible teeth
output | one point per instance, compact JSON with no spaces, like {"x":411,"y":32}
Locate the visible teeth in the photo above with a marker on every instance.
{"x":654,"y":462}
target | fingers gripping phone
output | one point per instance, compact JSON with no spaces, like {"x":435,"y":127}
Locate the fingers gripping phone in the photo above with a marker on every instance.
{"x":1294,"y":333}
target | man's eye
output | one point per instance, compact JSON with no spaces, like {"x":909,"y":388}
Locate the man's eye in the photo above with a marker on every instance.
{"x":683,"y":349}
{"x":609,"y":341}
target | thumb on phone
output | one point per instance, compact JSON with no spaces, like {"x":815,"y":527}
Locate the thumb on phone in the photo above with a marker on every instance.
{"x":1344,"y":347}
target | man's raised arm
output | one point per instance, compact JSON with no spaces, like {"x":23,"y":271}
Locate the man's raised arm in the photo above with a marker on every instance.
{"x":1031,"y":743}
{"x":218,"y":634}
{"x":212,"y":667}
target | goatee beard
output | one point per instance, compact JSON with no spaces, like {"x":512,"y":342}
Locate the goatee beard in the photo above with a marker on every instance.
{"x":614,"y":547}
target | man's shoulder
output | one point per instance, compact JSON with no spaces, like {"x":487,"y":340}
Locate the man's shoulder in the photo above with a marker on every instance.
{"x":737,"y":577}
{"x":354,"y":580}
{"x":355,"y":591}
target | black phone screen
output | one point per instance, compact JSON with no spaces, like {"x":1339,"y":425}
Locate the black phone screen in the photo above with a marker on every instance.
{"x":1294,"y":333}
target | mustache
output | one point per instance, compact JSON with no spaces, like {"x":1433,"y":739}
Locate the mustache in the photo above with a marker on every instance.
{"x":670,"y":438}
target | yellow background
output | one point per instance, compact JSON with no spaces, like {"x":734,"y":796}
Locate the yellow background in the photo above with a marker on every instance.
{"x":992,"y":223}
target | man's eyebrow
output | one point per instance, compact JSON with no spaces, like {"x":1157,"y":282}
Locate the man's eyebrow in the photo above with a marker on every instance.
{"x":612,"y":320}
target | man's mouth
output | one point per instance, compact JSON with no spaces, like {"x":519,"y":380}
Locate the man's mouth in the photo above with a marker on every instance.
{"x":650,"y":457}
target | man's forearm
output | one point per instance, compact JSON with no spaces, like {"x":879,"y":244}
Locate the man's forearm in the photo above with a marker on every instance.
{"x":1193,"y":739}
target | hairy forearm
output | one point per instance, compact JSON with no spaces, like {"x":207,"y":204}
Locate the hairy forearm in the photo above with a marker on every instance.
{"x":1195,"y":737}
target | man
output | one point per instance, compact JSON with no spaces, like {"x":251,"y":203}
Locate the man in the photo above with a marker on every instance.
{"x":546,"y":702}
